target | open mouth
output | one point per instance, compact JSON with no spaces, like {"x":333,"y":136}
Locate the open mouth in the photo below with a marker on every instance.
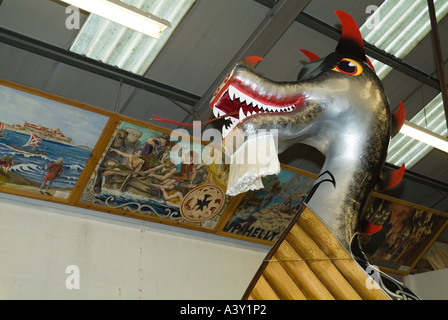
{"x":239,"y":105}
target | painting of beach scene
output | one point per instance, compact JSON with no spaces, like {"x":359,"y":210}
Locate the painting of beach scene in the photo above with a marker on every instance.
{"x":44,"y":144}
{"x":138,"y":176}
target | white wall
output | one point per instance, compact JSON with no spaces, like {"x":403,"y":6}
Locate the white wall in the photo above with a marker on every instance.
{"x":429,"y":285}
{"x":117,"y":257}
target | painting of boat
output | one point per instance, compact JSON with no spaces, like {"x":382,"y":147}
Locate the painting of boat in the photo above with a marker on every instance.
{"x":131,"y":184}
{"x":35,"y":142}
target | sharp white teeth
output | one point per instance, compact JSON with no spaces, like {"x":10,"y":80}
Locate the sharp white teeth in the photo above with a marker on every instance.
{"x":228,"y":128}
{"x":241,"y":116}
{"x":259,"y":105}
{"x":235,"y":93}
{"x":250,"y":101}
{"x":217,"y":112}
{"x":243,"y":98}
{"x":225,"y":131}
{"x":232,"y":92}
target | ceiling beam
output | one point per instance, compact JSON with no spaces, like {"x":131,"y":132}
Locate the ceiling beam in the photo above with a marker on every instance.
{"x":61,"y":55}
{"x":277,"y":21}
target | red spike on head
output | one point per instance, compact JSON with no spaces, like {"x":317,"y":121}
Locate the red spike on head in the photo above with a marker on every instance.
{"x":394,"y":178}
{"x":252,"y":61}
{"x":311,"y":56}
{"x":370,"y":228}
{"x":398,"y":119}
{"x":351,"y":41}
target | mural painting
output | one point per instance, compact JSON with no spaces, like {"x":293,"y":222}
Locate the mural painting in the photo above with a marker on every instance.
{"x":405,"y":233}
{"x":44,"y":144}
{"x":137,"y":174}
{"x":264,"y":214}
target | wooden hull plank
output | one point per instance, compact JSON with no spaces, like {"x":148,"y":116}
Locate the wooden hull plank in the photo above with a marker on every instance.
{"x":309,"y":263}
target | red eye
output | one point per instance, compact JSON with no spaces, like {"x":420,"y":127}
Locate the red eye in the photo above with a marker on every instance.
{"x":349,"y":66}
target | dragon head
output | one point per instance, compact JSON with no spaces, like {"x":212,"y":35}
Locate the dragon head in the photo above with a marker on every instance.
{"x":328,"y":88}
{"x":337,"y":105}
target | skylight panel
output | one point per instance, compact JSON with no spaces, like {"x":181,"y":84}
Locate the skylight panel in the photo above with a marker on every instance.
{"x":130,"y":50}
{"x":399,"y":26}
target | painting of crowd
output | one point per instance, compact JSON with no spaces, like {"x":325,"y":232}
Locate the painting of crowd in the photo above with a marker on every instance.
{"x":138,"y":161}
{"x":405,"y":231}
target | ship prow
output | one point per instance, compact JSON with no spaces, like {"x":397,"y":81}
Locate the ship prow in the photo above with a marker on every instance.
{"x":309,"y":263}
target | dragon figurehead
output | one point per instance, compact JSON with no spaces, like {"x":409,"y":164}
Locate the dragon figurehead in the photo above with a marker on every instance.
{"x":338,"y":106}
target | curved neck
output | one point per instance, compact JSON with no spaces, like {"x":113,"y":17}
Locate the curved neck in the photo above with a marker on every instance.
{"x":345,"y":183}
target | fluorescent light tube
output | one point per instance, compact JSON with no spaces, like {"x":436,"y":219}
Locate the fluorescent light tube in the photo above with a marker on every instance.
{"x":124,"y":14}
{"x":106,"y":41}
{"x":425,"y":136}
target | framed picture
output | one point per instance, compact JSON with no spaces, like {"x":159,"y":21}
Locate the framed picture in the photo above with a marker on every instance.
{"x":144,"y":174}
{"x":262,"y":215}
{"x":407,"y":231}
{"x":45,"y":141}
